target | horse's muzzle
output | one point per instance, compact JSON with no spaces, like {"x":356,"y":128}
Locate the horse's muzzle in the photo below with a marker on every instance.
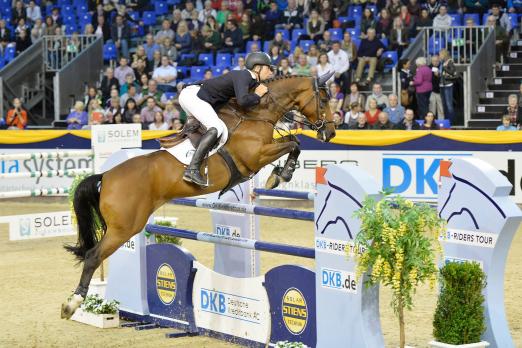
{"x":326,"y":133}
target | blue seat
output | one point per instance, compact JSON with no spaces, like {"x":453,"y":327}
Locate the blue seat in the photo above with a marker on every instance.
{"x":391,"y":55}
{"x":443,"y":124}
{"x":170,"y":95}
{"x":182,"y":71}
{"x":185,"y":56}
{"x":344,"y":19}
{"x":223,"y":59}
{"x":217,"y":70}
{"x":305,"y":45}
{"x":85,"y":18}
{"x":456,"y":19}
{"x":356,"y":41}
{"x":286,"y":34}
{"x":514,"y":20}
{"x":474,"y":16}
{"x":67,"y":9}
{"x":70,"y":29}
{"x":161,"y":8}
{"x":69,"y":18}
{"x":296,"y":33}
{"x":149,"y":18}
{"x":354,"y":32}
{"x":109,"y":52}
{"x":373,"y":9}
{"x":384,"y":41}
{"x":10,"y":53}
{"x":197,"y":72}
{"x":237,"y":56}
{"x":266,"y":47}
{"x":435,"y":44}
{"x":355,"y":11}
{"x":336,"y":34}
{"x":251,"y":42}
{"x":485,"y":18}
{"x":207,"y":58}
{"x":81,"y":9}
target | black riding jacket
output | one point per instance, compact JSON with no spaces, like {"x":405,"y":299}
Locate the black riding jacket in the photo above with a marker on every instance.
{"x":237,"y":83}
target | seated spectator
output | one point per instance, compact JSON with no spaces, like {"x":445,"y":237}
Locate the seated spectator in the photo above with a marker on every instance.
{"x":275,"y":56}
{"x":5,"y":33}
{"x":114,"y":94}
{"x":113,"y":109}
{"x":211,"y":40}
{"x":372,"y":112}
{"x":78,"y":118}
{"x":177,"y":125}
{"x":313,"y":55}
{"x":348,"y":46}
{"x":424,"y":20}
{"x":193,"y":22}
{"x":165,"y":75}
{"x":95,"y":112}
{"x":122,"y":71}
{"x":140,"y":67}
{"x":325,"y":43}
{"x":408,"y":21}
{"x":335,"y":92}
{"x":150,"y":47}
{"x":292,"y":18}
{"x":57,"y":17}
{"x":33,"y":12}
{"x":351,"y":117}
{"x":109,"y":82}
{"x":302,"y":67}
{"x":423,"y":85}
{"x":383,"y":122}
{"x":38,"y":30}
{"x":408,"y":123}
{"x":338,"y":121}
{"x":165,"y":32}
{"x":129,"y":110}
{"x":384,"y":24}
{"x":513,"y":110}
{"x":273,"y":16}
{"x":144,"y":84}
{"x":334,"y":105}
{"x":398,"y":37}
{"x":17,"y":116}
{"x":21,"y":26}
{"x":443,"y":19}
{"x":368,"y":22}
{"x":501,"y":37}
{"x":506,"y":124}
{"x":294,"y":57}
{"x":341,"y":65}
{"x":244,"y":25}
{"x":362,"y":123}
{"x":254,"y":47}
{"x":159,"y":122}
{"x":223,"y":13}
{"x":315,"y":26}
{"x":382,"y":99}
{"x":354,"y":97}
{"x":394,"y":8}
{"x":132,"y":93}
{"x":429,"y":122}
{"x":92,"y":93}
{"x":369,"y":51}
{"x":240,"y":64}
{"x":149,"y":111}
{"x":170,"y":113}
{"x":232,"y":38}
{"x":129,"y":81}
{"x":324,"y":67}
{"x":207,"y":12}
{"x":155,"y":62}
{"x":120,"y":35}
{"x":102,"y":28}
{"x":18,"y":13}
{"x":476,"y":6}
{"x":137,"y":119}
{"x":23,"y":41}
{"x":284,"y":45}
{"x":414,"y":8}
{"x":433,"y":7}
{"x":284,"y":68}
{"x":394,"y":110}
{"x":208,"y":74}
{"x":156,"y":93}
{"x":519,"y":97}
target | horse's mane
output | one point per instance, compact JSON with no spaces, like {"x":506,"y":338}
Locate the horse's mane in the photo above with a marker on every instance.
{"x":284,"y":77}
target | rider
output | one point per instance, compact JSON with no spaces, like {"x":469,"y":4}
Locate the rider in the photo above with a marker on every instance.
{"x":202,"y":98}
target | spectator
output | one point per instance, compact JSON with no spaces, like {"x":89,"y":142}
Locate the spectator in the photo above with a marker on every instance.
{"x":38,"y":30}
{"x":187,"y":11}
{"x":57,"y":17}
{"x":33,"y":12}
{"x":303,"y":6}
{"x":120,"y":35}
{"x":476,"y":6}
{"x":240,"y":64}
{"x":284,"y":45}
{"x":244,"y":25}
{"x":408,"y":21}
{"x":315,"y":26}
{"x":123,"y":70}
{"x":442,"y":20}
{"x":324,"y":66}
{"x":165,"y":75}
{"x":129,"y":110}
{"x":372,"y":112}
{"x":348,"y":46}
{"x":369,"y":51}
{"x":208,"y":74}
{"x":325,"y":43}
{"x":165,"y":32}
{"x":21,"y":26}
{"x":176,"y":19}
{"x":170,"y":113}
{"x":435,"y":99}
{"x":423,"y":85}
{"x":177,"y":125}
{"x":168,"y":50}
{"x":103,"y":29}
{"x":354,"y":97}
{"x":394,"y":8}
{"x":207,"y":12}
{"x":313,"y":71}
{"x":334,"y":105}
{"x":353,"y":115}
{"x":341,"y":65}
{"x":382,"y":100}
{"x":414,"y":8}
{"x":473,"y":40}
{"x":407,"y":89}
{"x":23,"y":41}
{"x":254,"y":47}
{"x":193,"y":23}
{"x":95,"y":112}
{"x":275,"y":56}
{"x":384,"y":25}
{"x":149,"y":111}
{"x":260,"y":28}
{"x":302,"y":67}
{"x":313,"y":55}
{"x":429,"y":122}
{"x":398,"y":37}
{"x":408,"y":123}
{"x":223,"y":13}
{"x":513,"y":110}
{"x":159,"y":122}
{"x":132,"y":93}
{"x":520,"y":94}
{"x":448,"y":76}
{"x":154,"y":92}
{"x":140,"y":67}
{"x":130,"y":80}
{"x":18,"y":13}
{"x":3,"y":46}
{"x":284,"y":68}
{"x":394,"y":110}
{"x":78,"y":118}
{"x":326,"y":12}
{"x":367,"y":22}
{"x":294,"y":57}
{"x":150,"y":46}
{"x":339,"y":121}
{"x":211,"y":40}
{"x":291,"y":17}
{"x":501,"y":38}
{"x":92,"y":93}
{"x":433,"y":7}
{"x":506,"y":124}
{"x":17,"y":116}
{"x":114,"y":94}
{"x":137,"y":119}
{"x":113,"y":109}
{"x":383,"y":122}
{"x":362,"y":123}
{"x":55,"y":49}
{"x":5,"y":33}
{"x":424,"y":20}
{"x":73,"y":46}
{"x":273,"y":16}
{"x":108,"y":83}
{"x":156,"y":61}
{"x":335,"y":92}
{"x":233,"y":38}
{"x":144,"y":85}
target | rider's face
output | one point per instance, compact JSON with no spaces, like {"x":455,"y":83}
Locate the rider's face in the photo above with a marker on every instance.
{"x":265,"y":73}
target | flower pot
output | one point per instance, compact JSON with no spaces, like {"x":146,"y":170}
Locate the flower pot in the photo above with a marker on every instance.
{"x":103,"y":321}
{"x":481,"y":344}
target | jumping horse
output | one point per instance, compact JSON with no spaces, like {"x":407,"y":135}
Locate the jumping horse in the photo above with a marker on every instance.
{"x":114,"y":206}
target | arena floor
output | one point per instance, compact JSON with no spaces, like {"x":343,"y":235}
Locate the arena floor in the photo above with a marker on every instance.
{"x":36,"y":276}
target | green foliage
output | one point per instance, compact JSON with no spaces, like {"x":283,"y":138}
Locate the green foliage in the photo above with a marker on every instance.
{"x":97,"y":305}
{"x":166,"y":239}
{"x":286,"y":344}
{"x":72,"y":190}
{"x":459,"y":317}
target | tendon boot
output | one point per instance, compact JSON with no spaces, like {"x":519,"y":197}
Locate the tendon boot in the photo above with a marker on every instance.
{"x":192,"y":173}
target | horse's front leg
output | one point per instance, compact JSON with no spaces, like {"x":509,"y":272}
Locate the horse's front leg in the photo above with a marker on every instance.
{"x":272,"y":152}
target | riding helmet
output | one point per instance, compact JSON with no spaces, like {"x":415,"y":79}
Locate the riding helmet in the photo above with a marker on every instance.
{"x":257,"y":58}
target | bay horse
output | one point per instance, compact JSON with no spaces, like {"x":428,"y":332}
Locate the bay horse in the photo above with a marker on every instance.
{"x":120,"y":201}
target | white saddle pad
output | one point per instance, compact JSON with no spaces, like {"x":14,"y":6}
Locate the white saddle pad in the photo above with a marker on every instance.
{"x":184,"y":151}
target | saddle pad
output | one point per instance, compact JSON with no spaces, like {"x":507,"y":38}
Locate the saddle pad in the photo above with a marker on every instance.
{"x":184,"y":151}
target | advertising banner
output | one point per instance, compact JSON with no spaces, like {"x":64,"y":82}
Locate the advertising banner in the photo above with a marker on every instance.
{"x":33,"y":226}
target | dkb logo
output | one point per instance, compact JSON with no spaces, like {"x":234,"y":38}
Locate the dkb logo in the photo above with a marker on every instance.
{"x":401,"y":174}
{"x":212,"y":301}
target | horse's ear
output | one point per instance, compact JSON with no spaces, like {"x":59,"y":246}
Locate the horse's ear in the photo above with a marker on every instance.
{"x":321,"y":81}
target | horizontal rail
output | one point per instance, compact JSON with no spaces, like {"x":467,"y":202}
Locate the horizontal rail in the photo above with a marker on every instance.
{"x":46,"y":173}
{"x":45,"y":155}
{"x":310,"y":196}
{"x":52,"y":191}
{"x":233,"y":241}
{"x":246,"y":208}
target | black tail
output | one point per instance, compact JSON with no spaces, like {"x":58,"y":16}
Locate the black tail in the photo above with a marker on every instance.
{"x":88,"y":216}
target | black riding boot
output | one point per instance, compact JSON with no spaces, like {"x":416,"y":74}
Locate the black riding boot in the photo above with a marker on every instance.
{"x":192,"y":173}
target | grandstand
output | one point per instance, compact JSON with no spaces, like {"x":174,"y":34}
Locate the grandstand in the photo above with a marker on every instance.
{"x":58,"y":53}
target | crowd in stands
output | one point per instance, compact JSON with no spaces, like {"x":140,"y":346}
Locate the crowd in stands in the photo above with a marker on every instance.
{"x":157,"y":45}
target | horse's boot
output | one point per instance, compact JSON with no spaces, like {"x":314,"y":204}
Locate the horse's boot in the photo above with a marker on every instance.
{"x":207,"y":142}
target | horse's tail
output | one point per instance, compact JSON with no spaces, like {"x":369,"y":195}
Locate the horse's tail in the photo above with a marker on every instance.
{"x":89,"y":219}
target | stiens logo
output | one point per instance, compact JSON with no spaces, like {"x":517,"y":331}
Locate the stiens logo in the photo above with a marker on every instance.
{"x":338,"y":280}
{"x":415,"y":174}
{"x":294,"y":311}
{"x":166,"y":284}
{"x":228,"y":231}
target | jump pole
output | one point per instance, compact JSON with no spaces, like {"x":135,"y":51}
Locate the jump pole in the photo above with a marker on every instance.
{"x":310,"y":196}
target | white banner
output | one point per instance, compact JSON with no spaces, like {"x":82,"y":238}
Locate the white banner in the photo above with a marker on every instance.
{"x":33,"y":226}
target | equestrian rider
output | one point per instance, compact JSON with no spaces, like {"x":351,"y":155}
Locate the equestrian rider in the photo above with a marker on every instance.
{"x":202,"y":98}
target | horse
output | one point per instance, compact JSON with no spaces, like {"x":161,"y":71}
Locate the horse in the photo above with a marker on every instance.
{"x":114,"y":206}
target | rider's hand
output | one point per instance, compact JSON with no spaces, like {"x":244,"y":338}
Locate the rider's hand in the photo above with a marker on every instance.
{"x":261,"y":90}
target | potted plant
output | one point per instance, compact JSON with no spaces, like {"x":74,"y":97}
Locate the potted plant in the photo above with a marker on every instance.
{"x":400,"y":245}
{"x":98,"y":312}
{"x":459,"y":317}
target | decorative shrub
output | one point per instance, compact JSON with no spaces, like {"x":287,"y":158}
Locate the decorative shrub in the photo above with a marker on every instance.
{"x":459,"y":317}
{"x":97,"y":305}
{"x":166,"y":239}
{"x":286,"y":344}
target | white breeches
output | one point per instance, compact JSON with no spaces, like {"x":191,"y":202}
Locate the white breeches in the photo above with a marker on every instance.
{"x":200,"y":109}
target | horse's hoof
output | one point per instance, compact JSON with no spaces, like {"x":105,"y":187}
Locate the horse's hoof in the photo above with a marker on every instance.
{"x":71,"y":306}
{"x":273,"y":181}
{"x":67,"y":311}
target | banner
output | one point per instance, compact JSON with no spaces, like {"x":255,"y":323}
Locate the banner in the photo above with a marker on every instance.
{"x":34,"y":226}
